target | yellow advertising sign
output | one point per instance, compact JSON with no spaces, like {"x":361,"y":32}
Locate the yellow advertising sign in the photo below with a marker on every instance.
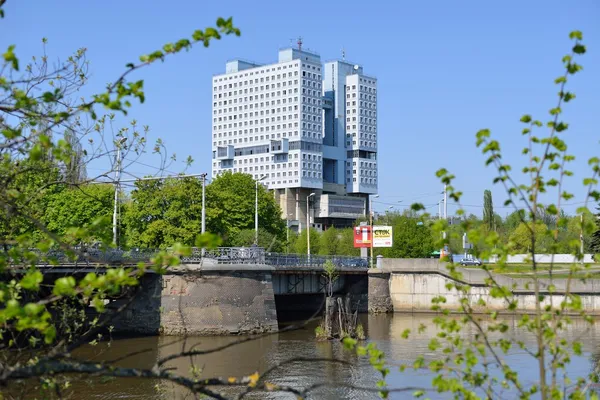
{"x":382,"y":236}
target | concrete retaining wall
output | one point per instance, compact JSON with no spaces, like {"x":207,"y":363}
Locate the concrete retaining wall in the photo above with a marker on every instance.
{"x":546,"y":259}
{"x":414,"y":283}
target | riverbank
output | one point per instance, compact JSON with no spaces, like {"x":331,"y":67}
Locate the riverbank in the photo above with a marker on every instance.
{"x":410,"y":285}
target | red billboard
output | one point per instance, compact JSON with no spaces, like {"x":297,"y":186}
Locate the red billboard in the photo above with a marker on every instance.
{"x":362,"y":236}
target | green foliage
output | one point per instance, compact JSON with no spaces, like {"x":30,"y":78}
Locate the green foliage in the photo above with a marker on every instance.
{"x":164,"y":212}
{"x":410,"y":239}
{"x":87,"y":207}
{"x":266,"y":240}
{"x":330,"y":241}
{"x":230,"y":204}
{"x":46,"y":139}
{"x":301,"y":245}
{"x":331,"y":275}
{"x":464,"y":345}
{"x":488,"y":210}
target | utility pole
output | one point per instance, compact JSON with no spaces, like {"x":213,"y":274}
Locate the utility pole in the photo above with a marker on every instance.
{"x":256,"y":210}
{"x":371,"y":224}
{"x":117,"y":186}
{"x":445,"y":202}
{"x":308,"y":224}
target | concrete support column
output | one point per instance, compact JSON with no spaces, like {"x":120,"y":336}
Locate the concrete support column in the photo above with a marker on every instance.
{"x":380,"y":300}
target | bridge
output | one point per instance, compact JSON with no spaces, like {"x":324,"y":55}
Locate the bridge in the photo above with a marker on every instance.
{"x":216,"y":291}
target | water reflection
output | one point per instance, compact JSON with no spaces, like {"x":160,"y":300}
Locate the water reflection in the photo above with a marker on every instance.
{"x":262,"y":354}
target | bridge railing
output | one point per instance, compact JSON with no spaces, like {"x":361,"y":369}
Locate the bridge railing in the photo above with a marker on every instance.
{"x":220,"y":255}
{"x":226,"y":255}
{"x":303,"y":260}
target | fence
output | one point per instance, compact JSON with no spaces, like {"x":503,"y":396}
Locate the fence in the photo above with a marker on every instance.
{"x":220,"y":255}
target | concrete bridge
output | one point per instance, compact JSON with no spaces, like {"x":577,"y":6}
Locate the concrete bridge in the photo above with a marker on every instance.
{"x":219,"y":291}
{"x":246,"y":290}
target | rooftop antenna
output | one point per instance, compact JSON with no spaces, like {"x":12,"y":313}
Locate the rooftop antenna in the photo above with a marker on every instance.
{"x":343,"y":54}
{"x":300,"y":43}
{"x":291,"y":42}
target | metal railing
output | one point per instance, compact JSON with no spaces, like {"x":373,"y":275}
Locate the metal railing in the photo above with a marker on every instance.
{"x":220,"y":255}
{"x":303,"y":260}
{"x":227,"y":255}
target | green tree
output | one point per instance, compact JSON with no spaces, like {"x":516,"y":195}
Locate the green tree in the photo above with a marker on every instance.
{"x":164,"y":212}
{"x":330,"y":242}
{"x":230,"y":207}
{"x":85,"y":206}
{"x":301,"y":245}
{"x":411,"y":239}
{"x":31,"y":182}
{"x":346,"y":243}
{"x":520,"y":238}
{"x":266,"y":240}
{"x":488,"y":210}
{"x":461,"y":368}
{"x":513,"y":220}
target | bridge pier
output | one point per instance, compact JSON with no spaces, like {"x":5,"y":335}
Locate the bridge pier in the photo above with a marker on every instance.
{"x":209,"y":300}
{"x":379,"y":300}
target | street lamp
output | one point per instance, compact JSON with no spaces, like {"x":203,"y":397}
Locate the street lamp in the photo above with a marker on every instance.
{"x":308,"y":224}
{"x":390,"y":208}
{"x":119,"y":143}
{"x":371,"y":217}
{"x":256,"y":209}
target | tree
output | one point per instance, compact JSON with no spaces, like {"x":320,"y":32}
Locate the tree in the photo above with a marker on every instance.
{"x":74,"y":168}
{"x":521,"y":237}
{"x":266,"y":240}
{"x":164,"y":212}
{"x":462,"y":366}
{"x":410,"y":239}
{"x":301,"y":245}
{"x":85,"y":206}
{"x":330,"y":242}
{"x":230,"y":207}
{"x":488,"y":210}
{"x":346,"y":243}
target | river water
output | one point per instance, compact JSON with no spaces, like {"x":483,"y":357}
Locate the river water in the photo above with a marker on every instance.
{"x":259,"y":355}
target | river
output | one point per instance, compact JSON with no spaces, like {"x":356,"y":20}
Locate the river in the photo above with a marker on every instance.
{"x":259,"y":355}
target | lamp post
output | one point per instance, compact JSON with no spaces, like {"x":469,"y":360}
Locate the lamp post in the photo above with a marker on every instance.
{"x":119,"y":143}
{"x":256,"y":209}
{"x":390,"y":208}
{"x":371,"y":223}
{"x":203,"y":176}
{"x":287,"y":231}
{"x":308,"y":224}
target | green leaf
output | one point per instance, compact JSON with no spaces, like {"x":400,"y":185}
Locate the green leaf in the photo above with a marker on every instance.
{"x":64,"y":286}
{"x":576,"y":35}
{"x":32,"y":280}
{"x":526,"y":118}
{"x":579,"y":49}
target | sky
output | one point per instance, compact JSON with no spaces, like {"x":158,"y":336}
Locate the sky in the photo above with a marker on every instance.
{"x":445,"y":69}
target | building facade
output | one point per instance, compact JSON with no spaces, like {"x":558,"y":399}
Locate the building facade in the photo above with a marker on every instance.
{"x":300,"y":128}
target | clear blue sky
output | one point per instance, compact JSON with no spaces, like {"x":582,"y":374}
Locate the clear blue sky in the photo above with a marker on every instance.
{"x":445,"y":69}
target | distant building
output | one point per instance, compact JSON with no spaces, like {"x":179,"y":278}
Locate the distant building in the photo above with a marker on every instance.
{"x":301,"y":129}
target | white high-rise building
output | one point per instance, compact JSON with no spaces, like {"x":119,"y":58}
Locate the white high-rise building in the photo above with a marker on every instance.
{"x":301,"y":130}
